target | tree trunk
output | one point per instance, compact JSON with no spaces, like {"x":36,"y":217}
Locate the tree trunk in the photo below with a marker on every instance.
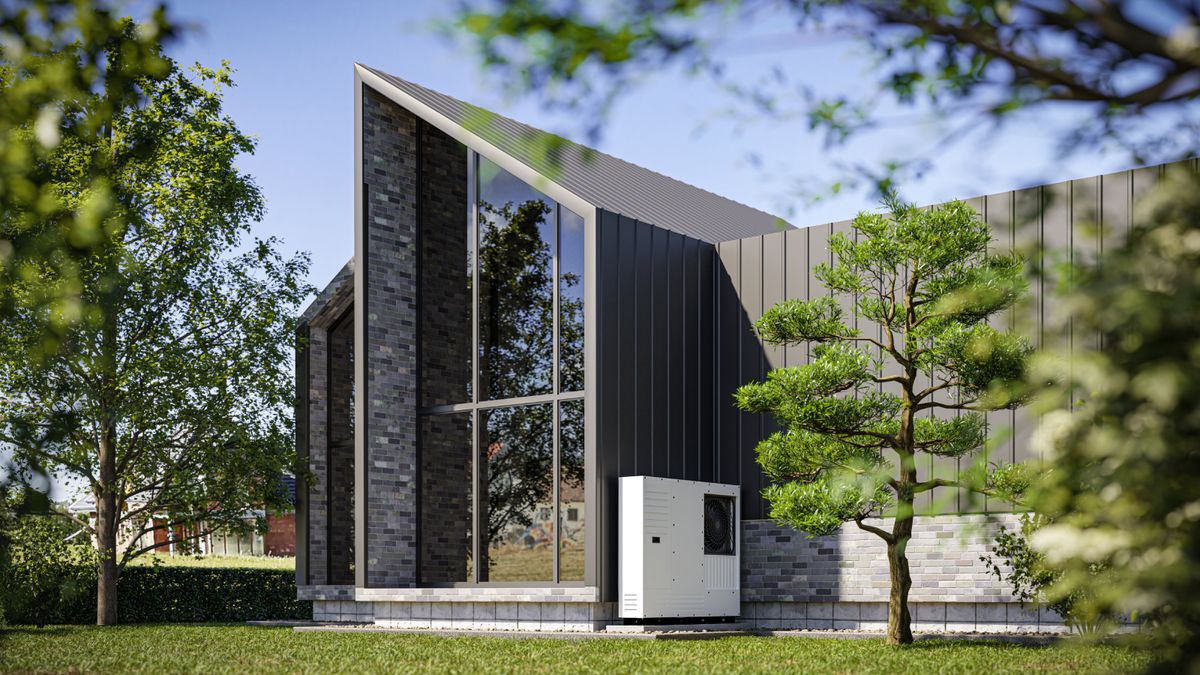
{"x":106,"y":541}
{"x":899,"y":629}
{"x":107,"y":518}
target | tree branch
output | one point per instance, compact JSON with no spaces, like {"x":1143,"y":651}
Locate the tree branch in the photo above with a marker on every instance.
{"x":882,"y":534}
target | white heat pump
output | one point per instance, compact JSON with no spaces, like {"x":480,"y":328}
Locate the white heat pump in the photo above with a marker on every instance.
{"x":678,"y":550}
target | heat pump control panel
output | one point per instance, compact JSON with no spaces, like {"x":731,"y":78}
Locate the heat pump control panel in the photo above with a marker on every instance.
{"x":679,"y":549}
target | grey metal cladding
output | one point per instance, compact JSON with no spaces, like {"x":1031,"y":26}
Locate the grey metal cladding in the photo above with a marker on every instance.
{"x":605,"y":181}
{"x":655,"y":391}
{"x":1075,"y":219}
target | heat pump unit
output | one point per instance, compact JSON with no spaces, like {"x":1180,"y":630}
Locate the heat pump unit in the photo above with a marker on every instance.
{"x":679,"y":549}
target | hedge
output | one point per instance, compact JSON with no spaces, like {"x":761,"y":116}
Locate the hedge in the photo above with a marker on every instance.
{"x":185,"y":594}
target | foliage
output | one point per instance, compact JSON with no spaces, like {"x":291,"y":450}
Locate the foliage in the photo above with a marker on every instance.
{"x":1122,"y":489}
{"x":44,"y":570}
{"x":1015,"y":559}
{"x":870,"y":402}
{"x":169,"y":594}
{"x":1128,"y":65}
{"x":270,"y":562}
{"x":170,"y":649}
{"x":55,"y":55}
{"x":173,"y":400}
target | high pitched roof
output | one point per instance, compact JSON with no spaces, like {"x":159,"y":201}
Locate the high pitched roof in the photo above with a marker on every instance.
{"x":601,"y":179}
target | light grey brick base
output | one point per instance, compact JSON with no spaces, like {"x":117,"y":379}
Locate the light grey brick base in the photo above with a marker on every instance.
{"x":928,"y":617}
{"x":509,"y":616}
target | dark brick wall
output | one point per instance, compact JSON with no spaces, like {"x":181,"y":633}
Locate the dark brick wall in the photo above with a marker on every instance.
{"x":445,"y":330}
{"x":317,"y":499}
{"x":312,"y":528}
{"x":445,"y":358}
{"x":341,"y":452}
{"x":389,"y":174}
{"x":445,"y":498}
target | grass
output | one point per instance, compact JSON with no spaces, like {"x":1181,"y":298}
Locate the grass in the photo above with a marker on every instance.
{"x":517,"y":563}
{"x":237,"y":649}
{"x":255,"y":561}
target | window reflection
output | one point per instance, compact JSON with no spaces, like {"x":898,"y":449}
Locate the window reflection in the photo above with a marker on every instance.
{"x":572,"y":527}
{"x":526,"y":250}
{"x":516,"y":287}
{"x":570,"y":301}
{"x":516,"y":471}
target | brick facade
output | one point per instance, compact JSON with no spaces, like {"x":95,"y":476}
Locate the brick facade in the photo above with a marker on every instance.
{"x":445,"y":359}
{"x":340,"y":423}
{"x":389,"y":292}
{"x":280,"y":538}
{"x":781,"y":564}
{"x":313,"y":490}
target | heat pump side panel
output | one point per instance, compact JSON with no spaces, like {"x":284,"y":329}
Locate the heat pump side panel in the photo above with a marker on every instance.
{"x":631,"y":551}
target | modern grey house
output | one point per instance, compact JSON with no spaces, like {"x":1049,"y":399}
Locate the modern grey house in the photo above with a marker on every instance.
{"x":526,"y":320}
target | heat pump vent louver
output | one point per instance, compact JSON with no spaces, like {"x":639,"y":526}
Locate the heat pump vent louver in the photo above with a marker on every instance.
{"x":718,"y":525}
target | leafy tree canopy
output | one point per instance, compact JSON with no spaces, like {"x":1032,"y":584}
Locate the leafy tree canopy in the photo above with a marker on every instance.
{"x":56,"y":56}
{"x":1124,"y":62}
{"x":1121,"y":429}
{"x":170,"y":403}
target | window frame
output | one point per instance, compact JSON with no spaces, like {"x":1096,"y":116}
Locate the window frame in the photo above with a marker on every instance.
{"x":556,"y":396}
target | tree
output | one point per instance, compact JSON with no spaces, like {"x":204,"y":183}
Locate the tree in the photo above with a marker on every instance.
{"x":1121,"y":463}
{"x":1128,"y":65}
{"x":858,"y":417}
{"x":173,"y":397}
{"x":55,"y":56}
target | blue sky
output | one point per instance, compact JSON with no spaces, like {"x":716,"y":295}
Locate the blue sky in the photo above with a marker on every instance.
{"x":294,"y":75}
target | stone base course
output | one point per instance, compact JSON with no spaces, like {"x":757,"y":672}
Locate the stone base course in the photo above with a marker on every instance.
{"x":500,"y":616}
{"x":928,"y":617}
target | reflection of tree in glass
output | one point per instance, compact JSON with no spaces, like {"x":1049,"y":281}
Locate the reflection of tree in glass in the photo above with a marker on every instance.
{"x":570,"y":444}
{"x":517,"y":297}
{"x":570,"y":346}
{"x":519,"y":454}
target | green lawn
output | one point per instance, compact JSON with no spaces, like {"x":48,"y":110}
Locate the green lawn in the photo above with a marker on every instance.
{"x":242,"y":649}
{"x":256,"y":561}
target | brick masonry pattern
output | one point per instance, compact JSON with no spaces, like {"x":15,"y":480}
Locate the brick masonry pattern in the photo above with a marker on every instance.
{"x":781,"y":564}
{"x":389,"y":138}
{"x":928,"y":617}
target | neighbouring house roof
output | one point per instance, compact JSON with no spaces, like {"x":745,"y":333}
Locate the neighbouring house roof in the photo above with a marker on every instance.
{"x":600,"y":179}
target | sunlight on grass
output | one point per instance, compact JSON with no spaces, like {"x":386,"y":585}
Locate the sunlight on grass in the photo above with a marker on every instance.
{"x":255,"y":561}
{"x":236,"y":649}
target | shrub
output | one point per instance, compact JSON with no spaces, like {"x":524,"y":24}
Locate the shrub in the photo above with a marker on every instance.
{"x":1032,"y":579}
{"x":46,"y":575}
{"x":187,"y":594}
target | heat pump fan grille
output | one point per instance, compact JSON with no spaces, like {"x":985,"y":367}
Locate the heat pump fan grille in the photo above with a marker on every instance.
{"x":718,"y":525}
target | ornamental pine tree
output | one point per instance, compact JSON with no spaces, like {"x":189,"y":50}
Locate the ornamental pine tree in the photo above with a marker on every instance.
{"x":871,"y":401}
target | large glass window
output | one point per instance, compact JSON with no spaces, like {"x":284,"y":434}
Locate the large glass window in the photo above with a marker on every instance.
{"x":502,"y":386}
{"x":571,"y":525}
{"x":517,"y":471}
{"x":570,"y":301}
{"x":516,"y":286}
